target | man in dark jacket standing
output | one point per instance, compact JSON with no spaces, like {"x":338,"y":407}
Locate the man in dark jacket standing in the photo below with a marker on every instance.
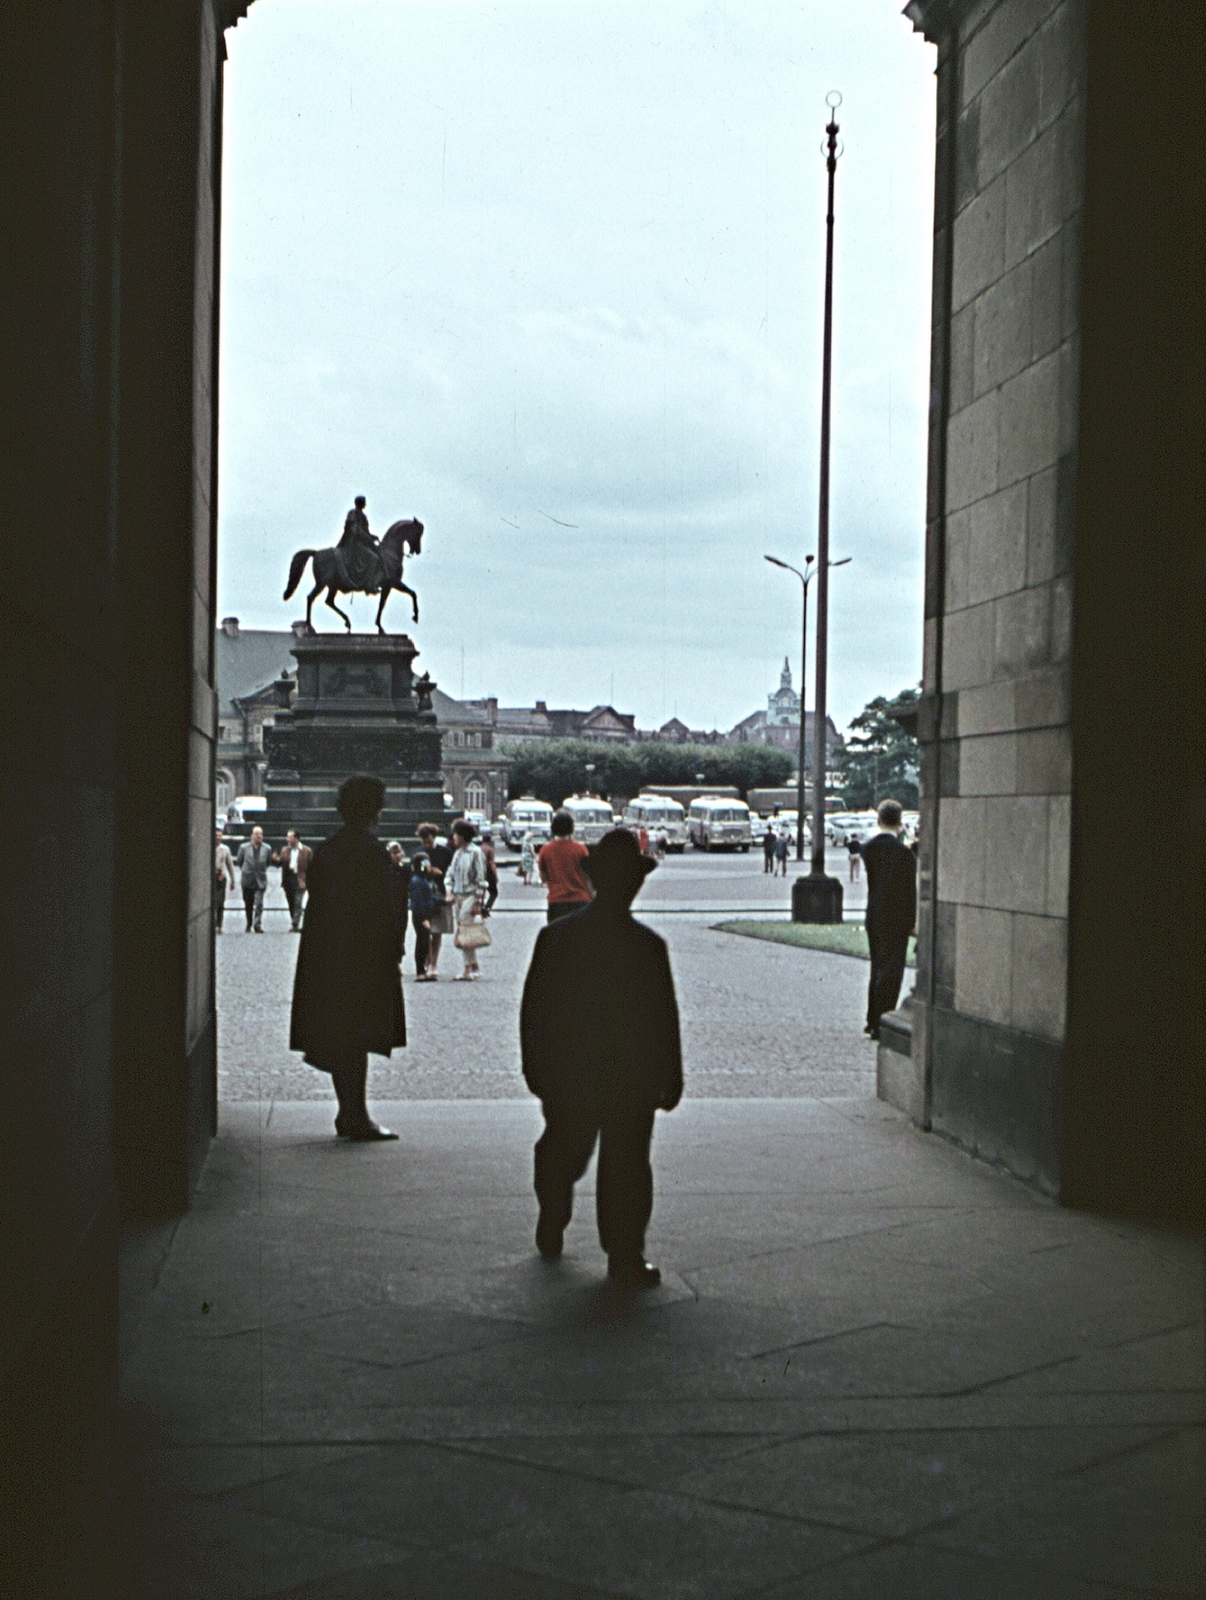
{"x":891,"y":911}
{"x":347,"y":993}
{"x":600,"y":1038}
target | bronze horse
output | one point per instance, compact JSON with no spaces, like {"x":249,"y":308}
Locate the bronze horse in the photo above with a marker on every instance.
{"x":330,"y":573}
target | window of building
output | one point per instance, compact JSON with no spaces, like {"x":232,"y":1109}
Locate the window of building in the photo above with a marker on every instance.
{"x":224,"y":790}
{"x":475,"y":795}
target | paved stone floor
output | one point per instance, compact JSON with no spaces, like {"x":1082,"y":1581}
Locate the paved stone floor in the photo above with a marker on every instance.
{"x":874,"y":1368}
{"x":764,"y":1021}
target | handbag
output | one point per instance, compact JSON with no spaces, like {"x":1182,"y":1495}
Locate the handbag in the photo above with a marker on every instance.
{"x":442,"y":919}
{"x":472,"y":934}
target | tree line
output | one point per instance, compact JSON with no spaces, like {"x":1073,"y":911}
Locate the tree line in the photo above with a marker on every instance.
{"x":551,"y":769}
{"x":879,"y":760}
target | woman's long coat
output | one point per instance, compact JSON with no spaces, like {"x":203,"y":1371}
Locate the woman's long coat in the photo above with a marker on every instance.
{"x":347,"y":992}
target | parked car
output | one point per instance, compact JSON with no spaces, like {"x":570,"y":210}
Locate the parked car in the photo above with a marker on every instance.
{"x":842,"y":825}
{"x":244,"y":806}
{"x":785,"y":822}
{"x":717,"y":822}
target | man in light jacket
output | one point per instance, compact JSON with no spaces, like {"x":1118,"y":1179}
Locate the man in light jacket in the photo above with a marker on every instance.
{"x":224,"y":874}
{"x":293,"y":861}
{"x":253,"y":861}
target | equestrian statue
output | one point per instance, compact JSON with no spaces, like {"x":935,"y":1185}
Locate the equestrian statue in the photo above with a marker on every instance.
{"x":359,"y":564}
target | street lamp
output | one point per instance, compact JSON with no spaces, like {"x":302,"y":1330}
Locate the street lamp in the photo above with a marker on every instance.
{"x":805,"y":578}
{"x":588,"y":769}
{"x":817,"y":898}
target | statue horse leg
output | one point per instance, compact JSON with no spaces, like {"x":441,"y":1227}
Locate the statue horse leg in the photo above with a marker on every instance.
{"x":347,"y":621}
{"x":386,"y":587}
{"x":310,"y":599}
{"x":405,"y":588}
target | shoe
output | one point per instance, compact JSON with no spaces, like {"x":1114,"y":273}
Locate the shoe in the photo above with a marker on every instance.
{"x":872,"y":1033}
{"x":363,"y":1132}
{"x":548,"y":1238}
{"x":635,"y":1274}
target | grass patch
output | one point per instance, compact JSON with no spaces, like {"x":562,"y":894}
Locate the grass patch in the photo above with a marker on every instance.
{"x":839,"y":938}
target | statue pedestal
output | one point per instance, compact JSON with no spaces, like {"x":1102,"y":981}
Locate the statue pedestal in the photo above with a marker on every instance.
{"x":357,"y":708}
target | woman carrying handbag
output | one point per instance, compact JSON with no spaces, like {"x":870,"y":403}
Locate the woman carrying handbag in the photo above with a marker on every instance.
{"x":467,"y":881}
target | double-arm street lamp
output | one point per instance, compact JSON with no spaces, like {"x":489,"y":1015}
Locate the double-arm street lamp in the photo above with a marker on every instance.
{"x":805,"y":578}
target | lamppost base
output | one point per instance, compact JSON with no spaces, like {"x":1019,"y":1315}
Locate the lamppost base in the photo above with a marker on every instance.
{"x":816,"y":898}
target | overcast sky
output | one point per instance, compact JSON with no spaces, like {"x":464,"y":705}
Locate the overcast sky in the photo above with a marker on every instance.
{"x":548,"y":275}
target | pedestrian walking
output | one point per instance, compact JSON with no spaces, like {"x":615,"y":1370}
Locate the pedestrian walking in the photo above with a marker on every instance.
{"x":399,"y":879}
{"x":422,"y":896}
{"x":293,"y":861}
{"x":253,"y":861}
{"x":467,"y":881}
{"x":224,"y":875}
{"x":443,"y":920}
{"x":487,"y":843}
{"x":600,"y":1041}
{"x":528,"y":853}
{"x":660,"y":843}
{"x":891,"y":911}
{"x":562,"y":869}
{"x":781,"y":849}
{"x":854,"y":849}
{"x":769,"y":839}
{"x":347,"y":991}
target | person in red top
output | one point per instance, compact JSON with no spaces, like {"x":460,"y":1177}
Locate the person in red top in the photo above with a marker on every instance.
{"x":561,"y":863}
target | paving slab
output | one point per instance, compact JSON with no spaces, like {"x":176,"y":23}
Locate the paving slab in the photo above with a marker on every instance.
{"x":875,"y":1367}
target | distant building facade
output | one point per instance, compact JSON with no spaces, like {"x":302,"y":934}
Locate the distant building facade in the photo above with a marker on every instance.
{"x":248,"y":662}
{"x":519,"y":724}
{"x":779,"y":724}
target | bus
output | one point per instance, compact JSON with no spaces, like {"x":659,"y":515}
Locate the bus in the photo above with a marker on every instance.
{"x":657,"y":813}
{"x":527,"y":815}
{"x":592,"y":817}
{"x":716,"y":822}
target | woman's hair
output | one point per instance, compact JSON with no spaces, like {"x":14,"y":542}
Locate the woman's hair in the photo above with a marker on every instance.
{"x":463,"y":829}
{"x":361,"y":799}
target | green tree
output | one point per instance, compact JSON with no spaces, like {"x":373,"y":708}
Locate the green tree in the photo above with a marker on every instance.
{"x":879,"y":760}
{"x":554,"y":768}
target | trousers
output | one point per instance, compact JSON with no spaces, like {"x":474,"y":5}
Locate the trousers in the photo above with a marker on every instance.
{"x":253,"y":903}
{"x":623,"y":1180}
{"x":294,"y":894}
{"x":888,"y":951}
{"x":422,"y":944}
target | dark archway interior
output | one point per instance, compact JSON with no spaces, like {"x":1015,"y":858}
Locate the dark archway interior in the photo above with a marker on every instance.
{"x":109,"y":190}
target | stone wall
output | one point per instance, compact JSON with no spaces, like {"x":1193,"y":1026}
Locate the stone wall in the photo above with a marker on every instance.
{"x":1062,"y":629}
{"x":998,"y":778}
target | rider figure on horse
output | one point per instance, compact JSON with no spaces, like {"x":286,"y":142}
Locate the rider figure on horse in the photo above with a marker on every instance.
{"x":358,"y":551}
